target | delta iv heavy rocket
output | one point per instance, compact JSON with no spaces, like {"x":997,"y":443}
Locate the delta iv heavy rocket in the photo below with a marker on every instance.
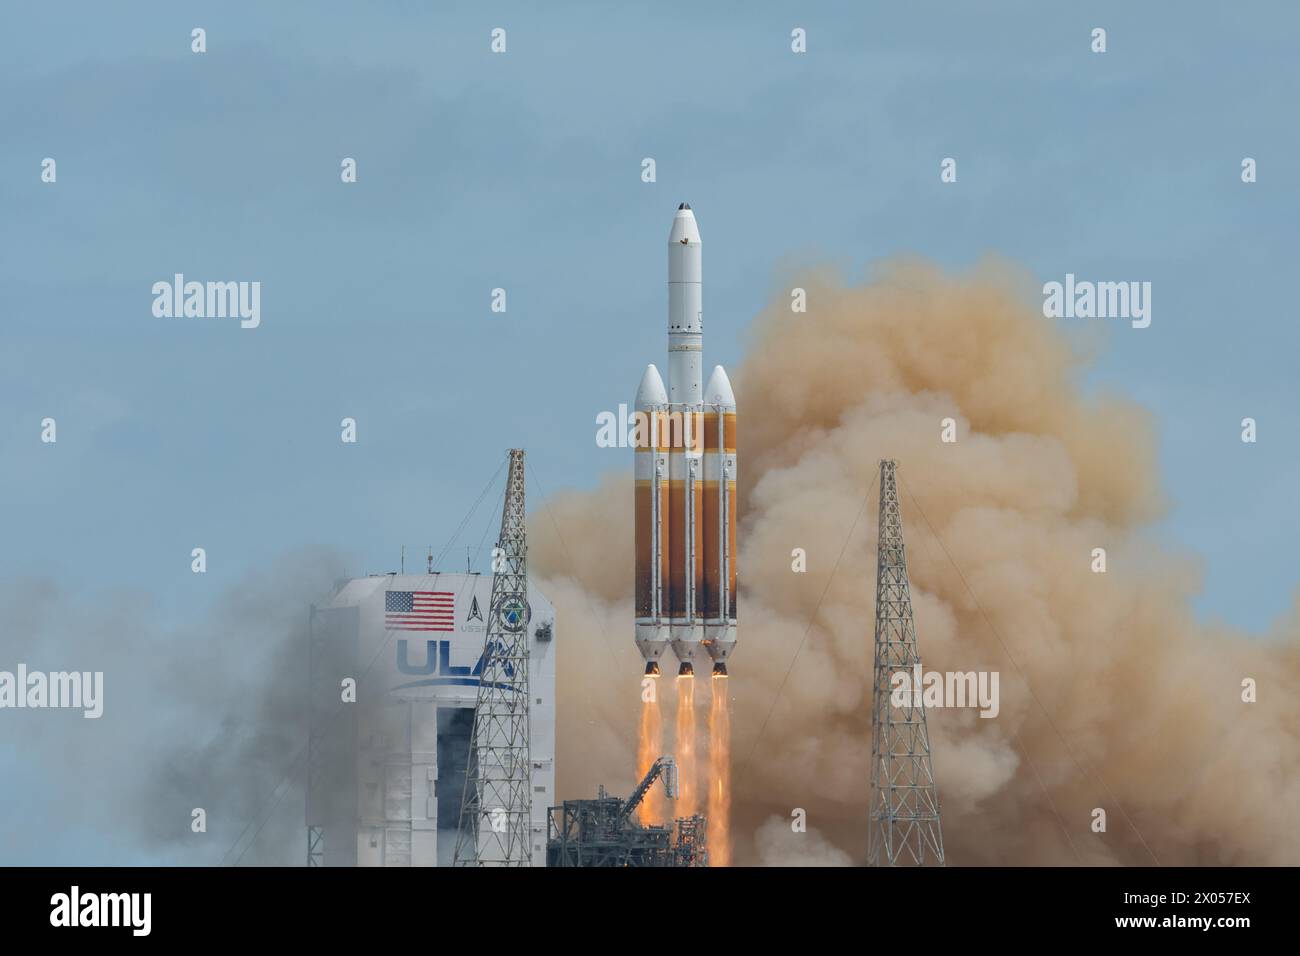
{"x":685,"y":483}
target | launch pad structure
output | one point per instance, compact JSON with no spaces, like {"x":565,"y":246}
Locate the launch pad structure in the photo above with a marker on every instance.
{"x":605,"y":831}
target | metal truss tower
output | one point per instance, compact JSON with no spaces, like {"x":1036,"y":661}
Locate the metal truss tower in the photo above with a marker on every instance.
{"x":496,"y":812}
{"x":904,"y":801}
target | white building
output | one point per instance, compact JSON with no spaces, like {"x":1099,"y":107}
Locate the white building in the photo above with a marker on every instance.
{"x":386,"y":773}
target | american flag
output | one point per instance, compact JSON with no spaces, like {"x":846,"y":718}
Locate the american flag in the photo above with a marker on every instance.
{"x":419,"y":611}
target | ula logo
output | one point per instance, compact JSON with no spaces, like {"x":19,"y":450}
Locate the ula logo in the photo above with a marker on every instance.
{"x":437,"y":661}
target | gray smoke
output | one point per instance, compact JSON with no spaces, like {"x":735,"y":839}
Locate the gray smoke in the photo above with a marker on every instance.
{"x":210,"y":714}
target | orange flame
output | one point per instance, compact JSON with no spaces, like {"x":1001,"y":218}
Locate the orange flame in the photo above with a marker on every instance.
{"x":720,"y":773}
{"x":686,"y":769}
{"x":649,"y":747}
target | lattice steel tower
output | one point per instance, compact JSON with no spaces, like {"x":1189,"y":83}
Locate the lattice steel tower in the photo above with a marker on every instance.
{"x":497,"y":807}
{"x":904,"y":802}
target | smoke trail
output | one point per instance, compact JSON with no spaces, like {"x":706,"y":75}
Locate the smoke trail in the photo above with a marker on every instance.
{"x":719,"y":814}
{"x":684,"y":742}
{"x":1113,"y":694}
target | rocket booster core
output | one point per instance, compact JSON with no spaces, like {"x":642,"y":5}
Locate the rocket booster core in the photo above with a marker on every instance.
{"x":685,"y":480}
{"x":685,"y":309}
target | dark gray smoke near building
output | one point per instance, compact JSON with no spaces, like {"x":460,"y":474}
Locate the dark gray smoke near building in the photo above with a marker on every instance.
{"x":206,"y":715}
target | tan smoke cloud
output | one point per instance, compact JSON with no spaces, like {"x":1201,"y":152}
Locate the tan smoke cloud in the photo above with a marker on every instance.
{"x":1113,"y":694}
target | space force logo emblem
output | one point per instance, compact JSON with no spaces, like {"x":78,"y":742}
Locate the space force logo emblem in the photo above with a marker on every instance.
{"x":514,"y":614}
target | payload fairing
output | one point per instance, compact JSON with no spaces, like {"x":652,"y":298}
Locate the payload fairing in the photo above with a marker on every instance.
{"x":685,"y":482}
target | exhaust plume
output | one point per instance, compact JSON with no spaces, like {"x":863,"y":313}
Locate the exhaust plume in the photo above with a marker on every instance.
{"x":685,"y":743}
{"x":649,"y":749}
{"x":1113,"y":694}
{"x":719,"y":782}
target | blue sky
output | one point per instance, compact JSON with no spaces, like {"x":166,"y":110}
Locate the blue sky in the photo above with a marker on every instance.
{"x":523,"y":171}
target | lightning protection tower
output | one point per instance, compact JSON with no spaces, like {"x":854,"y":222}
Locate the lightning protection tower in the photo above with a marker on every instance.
{"x":497,"y":807}
{"x":904,"y":801}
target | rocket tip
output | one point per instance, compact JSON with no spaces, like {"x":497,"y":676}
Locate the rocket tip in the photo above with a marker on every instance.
{"x":686,"y":670}
{"x":718,"y":391}
{"x":652,"y":669}
{"x":651,"y":391}
{"x":685,"y":231}
{"x":719,"y":669}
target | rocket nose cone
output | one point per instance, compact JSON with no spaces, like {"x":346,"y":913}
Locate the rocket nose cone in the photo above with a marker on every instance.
{"x":651,"y":390}
{"x":718,"y":391}
{"x":684,"y":231}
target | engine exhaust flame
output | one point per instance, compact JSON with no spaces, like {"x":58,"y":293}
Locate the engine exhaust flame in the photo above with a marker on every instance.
{"x":719,"y":774}
{"x":649,"y":748}
{"x":687,"y":772}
